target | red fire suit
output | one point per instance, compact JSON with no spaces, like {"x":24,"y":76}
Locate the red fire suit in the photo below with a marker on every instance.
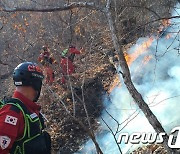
{"x":46,"y":60}
{"x":74,"y":51}
{"x":12,"y":123}
{"x":67,"y":65}
{"x":49,"y":74}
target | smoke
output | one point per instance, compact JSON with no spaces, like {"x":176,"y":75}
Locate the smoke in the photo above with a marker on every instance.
{"x":156,"y":75}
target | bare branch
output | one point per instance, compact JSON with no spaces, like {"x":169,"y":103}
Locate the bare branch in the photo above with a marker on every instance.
{"x":2,"y":63}
{"x":5,"y":76}
{"x":114,"y":135}
{"x":73,"y":5}
{"x":143,"y":7}
{"x":58,"y":98}
{"x":152,"y":104}
{"x":88,"y":130}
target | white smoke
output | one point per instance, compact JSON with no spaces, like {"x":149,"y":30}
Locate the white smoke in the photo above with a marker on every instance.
{"x":159,"y":83}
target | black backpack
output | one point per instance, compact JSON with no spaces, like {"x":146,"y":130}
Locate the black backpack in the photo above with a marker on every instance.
{"x":34,"y":140}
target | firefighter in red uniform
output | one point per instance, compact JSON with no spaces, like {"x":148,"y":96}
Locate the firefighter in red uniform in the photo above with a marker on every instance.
{"x":21,"y":123}
{"x":47,"y":60}
{"x":66,"y":62}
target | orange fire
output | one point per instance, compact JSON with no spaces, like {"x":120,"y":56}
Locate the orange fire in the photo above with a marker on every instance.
{"x":116,"y":83}
{"x":130,"y":58}
{"x":143,"y":63}
{"x":166,"y":22}
{"x":168,"y":36}
{"x":164,"y":25}
{"x":140,"y":50}
{"x":147,"y":59}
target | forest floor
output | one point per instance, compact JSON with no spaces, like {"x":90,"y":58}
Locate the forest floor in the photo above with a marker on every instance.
{"x":93,"y":78}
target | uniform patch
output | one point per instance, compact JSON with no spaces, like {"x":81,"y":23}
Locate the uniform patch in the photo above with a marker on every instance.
{"x":11,"y":120}
{"x":33,"y":115}
{"x":4,"y":142}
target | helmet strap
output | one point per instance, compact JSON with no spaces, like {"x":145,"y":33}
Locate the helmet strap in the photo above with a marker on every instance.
{"x":37,"y":96}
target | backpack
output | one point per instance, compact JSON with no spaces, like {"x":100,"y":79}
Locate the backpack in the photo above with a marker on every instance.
{"x":34,"y":139}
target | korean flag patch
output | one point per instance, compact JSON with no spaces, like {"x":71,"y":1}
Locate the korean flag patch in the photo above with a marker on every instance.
{"x":11,"y":120}
{"x":4,"y":142}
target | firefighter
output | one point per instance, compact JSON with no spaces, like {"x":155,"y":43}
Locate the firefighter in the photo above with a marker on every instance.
{"x":46,"y":59}
{"x":21,"y":123}
{"x":66,"y":63}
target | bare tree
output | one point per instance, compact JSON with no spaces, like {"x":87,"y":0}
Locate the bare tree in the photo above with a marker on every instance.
{"x":116,"y":37}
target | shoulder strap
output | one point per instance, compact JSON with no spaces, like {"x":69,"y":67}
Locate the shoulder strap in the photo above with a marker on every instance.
{"x":1,"y":104}
{"x":23,"y":108}
{"x":13,"y":106}
{"x":15,"y":102}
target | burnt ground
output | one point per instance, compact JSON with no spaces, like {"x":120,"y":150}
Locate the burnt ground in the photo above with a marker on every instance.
{"x":87,"y":85}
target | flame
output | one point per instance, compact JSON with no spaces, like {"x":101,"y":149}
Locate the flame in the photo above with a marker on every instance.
{"x":139,"y":51}
{"x":130,"y":58}
{"x":168,"y":36}
{"x":165,"y":23}
{"x":115,"y":83}
{"x":143,"y":63}
{"x":147,"y":59}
